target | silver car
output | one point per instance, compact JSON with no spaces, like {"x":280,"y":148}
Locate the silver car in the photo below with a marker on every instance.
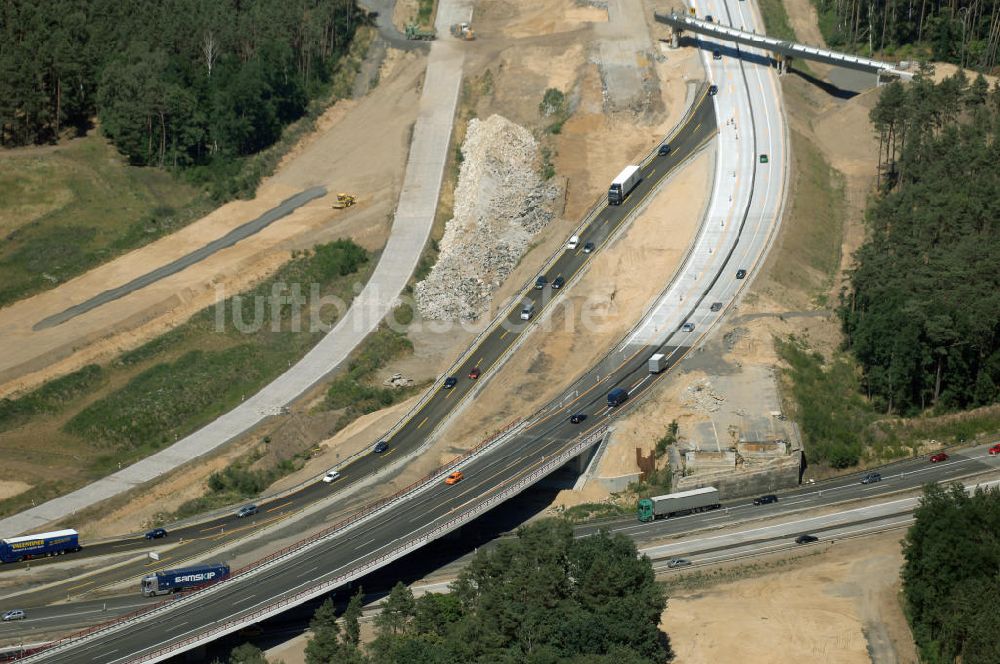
{"x":678,"y":562}
{"x":14,"y":614}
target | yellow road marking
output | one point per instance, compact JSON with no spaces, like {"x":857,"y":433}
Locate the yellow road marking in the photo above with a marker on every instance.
{"x":422,"y":422}
{"x":280,"y":506}
{"x":88,"y":583}
{"x":504,"y":334}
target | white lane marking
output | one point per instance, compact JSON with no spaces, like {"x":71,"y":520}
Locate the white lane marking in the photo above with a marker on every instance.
{"x":244,"y":599}
{"x":789,"y":524}
{"x":177,"y":626}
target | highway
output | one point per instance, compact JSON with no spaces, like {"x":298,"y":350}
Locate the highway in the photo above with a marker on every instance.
{"x":747,"y":222}
{"x":413,"y":432}
{"x":547,"y":436}
{"x":841,"y":493}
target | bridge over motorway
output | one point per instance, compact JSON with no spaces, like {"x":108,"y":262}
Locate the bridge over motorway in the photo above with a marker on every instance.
{"x":784,"y":48}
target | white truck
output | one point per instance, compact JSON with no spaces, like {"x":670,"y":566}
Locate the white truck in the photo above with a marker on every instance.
{"x":675,"y":504}
{"x":657,"y":363}
{"x":623,"y":184}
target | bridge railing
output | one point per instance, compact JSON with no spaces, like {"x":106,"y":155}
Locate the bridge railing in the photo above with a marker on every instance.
{"x":515,"y":487}
{"x":356,"y":517}
{"x":764,"y":41}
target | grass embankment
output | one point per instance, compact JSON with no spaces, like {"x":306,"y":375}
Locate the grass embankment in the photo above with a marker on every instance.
{"x":238,"y":481}
{"x":88,"y":423}
{"x":425,"y":13}
{"x":585,"y":512}
{"x":842,"y":429}
{"x":66,"y":210}
{"x":813,"y":226}
{"x":776,"y":19}
{"x":777,"y":25}
{"x":353,"y":393}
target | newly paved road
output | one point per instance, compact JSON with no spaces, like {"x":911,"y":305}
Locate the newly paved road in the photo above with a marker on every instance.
{"x":897,"y":477}
{"x":549,"y":434}
{"x":745,"y":211}
{"x":213,"y":533}
{"x":283,"y":209}
{"x":411,"y":228}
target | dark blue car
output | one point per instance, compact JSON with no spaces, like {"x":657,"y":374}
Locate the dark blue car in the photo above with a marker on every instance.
{"x":156,"y":533}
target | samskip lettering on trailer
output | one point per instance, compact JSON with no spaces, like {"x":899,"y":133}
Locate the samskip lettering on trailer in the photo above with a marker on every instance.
{"x":173,"y":580}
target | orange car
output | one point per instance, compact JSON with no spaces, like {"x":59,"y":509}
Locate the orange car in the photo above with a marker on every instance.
{"x":454,"y":478}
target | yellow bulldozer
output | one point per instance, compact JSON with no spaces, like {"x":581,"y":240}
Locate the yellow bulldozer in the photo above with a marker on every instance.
{"x":344,"y":201}
{"x":463,"y":31}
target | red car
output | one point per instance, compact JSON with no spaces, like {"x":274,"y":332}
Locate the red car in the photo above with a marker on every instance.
{"x":995,"y":450}
{"x":940,"y":456}
{"x":475,"y":373}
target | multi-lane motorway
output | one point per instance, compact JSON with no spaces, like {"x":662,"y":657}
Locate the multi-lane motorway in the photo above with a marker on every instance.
{"x":549,"y":434}
{"x":746,"y":201}
{"x":413,"y":432}
{"x":843,"y":491}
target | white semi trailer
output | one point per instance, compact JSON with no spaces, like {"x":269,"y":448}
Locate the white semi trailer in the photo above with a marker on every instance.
{"x":623,"y":184}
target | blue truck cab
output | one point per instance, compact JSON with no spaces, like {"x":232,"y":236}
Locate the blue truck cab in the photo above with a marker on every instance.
{"x":617,"y":397}
{"x":16,"y":549}
{"x":174,"y":580}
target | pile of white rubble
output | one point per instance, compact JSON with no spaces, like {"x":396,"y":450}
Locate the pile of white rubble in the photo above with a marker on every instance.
{"x":501,"y":201}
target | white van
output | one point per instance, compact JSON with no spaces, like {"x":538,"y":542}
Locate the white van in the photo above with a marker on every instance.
{"x":527,"y":310}
{"x":573,"y":242}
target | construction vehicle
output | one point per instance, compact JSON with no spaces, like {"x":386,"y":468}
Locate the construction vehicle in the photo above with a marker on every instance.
{"x":415,"y":32}
{"x":344,"y":201}
{"x":463,"y":31}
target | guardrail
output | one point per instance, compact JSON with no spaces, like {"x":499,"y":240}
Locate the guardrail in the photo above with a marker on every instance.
{"x":414,"y":543}
{"x":377,"y":506}
{"x":351,"y":520}
{"x":595,"y":209}
{"x":505,"y":310}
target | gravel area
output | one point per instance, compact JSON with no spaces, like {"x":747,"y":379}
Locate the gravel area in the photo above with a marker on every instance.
{"x":501,"y":202}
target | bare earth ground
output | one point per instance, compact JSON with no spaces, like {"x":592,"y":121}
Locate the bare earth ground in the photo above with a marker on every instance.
{"x":526,"y":66}
{"x":815,"y":608}
{"x":611,"y":295}
{"x":838,"y":604}
{"x":344,"y":154}
{"x":10,"y":488}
